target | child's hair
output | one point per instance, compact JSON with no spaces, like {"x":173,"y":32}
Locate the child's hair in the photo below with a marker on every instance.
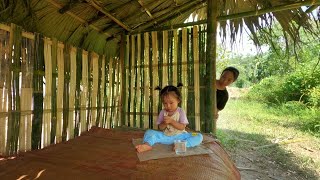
{"x":170,"y":89}
{"x":234,"y":70}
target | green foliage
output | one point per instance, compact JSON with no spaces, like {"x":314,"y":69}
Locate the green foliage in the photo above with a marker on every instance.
{"x":314,"y":96}
{"x":269,"y":90}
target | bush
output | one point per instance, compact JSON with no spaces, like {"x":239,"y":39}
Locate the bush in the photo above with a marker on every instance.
{"x":314,"y":96}
{"x":268,"y":90}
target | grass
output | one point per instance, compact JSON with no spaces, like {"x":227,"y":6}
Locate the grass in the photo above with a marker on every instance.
{"x":245,"y":125}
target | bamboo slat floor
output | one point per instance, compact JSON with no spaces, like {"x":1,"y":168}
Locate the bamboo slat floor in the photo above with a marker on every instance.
{"x":109,"y":154}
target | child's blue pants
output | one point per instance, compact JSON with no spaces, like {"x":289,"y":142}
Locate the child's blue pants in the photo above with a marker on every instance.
{"x":152,"y":137}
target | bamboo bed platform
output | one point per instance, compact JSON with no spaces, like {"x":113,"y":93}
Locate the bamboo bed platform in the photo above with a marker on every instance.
{"x":109,"y":154}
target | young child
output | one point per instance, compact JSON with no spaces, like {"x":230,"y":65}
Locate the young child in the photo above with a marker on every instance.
{"x":172,"y":121}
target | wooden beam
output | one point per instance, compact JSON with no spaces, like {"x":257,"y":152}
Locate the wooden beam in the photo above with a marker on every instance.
{"x":166,"y":16}
{"x":311,"y":8}
{"x":103,"y":10}
{"x":211,"y":100}
{"x":76,"y":17}
{"x":145,"y":8}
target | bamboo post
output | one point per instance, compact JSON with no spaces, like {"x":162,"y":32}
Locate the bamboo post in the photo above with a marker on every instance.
{"x":109,"y":100}
{"x":138,"y":88}
{"x":211,"y":101}
{"x":155,"y":78}
{"x":184,"y":73}
{"x":66,"y":91}
{"x":117,"y":97}
{"x":146,"y":80}
{"x":84,"y":93}
{"x":123,"y":74}
{"x":26,"y":93}
{"x":126,"y":105}
{"x":132,"y":87}
{"x":46,"y":125}
{"x":196,"y":77}
{"x":72,"y":90}
{"x":4,"y":72}
{"x":175,"y":57}
{"x":112,"y":103}
{"x":54,"y":50}
{"x":102,"y":90}
{"x":165,"y":77}
{"x":60,"y":89}
{"x":95,"y":72}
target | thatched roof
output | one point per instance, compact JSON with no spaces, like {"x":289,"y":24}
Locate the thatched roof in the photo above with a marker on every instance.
{"x":97,"y":25}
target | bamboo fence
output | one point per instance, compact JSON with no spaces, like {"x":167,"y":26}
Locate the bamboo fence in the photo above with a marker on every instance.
{"x":67,"y":90}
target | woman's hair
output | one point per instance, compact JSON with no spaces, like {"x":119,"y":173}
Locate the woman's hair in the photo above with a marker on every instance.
{"x":234,"y":70}
{"x":170,"y":90}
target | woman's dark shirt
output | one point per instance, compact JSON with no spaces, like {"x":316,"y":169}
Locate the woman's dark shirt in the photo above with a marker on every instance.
{"x":222,"y":98}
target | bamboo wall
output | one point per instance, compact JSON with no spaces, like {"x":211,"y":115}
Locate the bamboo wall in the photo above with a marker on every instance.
{"x":51,"y":92}
{"x":165,"y":58}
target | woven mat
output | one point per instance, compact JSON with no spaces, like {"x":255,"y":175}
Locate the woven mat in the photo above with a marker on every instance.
{"x":164,"y":151}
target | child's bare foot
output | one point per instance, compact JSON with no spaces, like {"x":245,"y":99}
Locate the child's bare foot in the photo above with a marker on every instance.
{"x":143,"y":147}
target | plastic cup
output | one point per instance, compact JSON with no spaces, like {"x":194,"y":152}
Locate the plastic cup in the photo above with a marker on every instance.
{"x":180,"y":146}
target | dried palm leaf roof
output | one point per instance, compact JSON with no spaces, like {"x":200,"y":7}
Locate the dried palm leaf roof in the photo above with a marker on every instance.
{"x":97,"y":25}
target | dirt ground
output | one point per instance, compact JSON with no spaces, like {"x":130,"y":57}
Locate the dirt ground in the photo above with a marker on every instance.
{"x":253,"y":165}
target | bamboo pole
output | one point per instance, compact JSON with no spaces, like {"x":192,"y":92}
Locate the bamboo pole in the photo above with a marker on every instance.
{"x":53,"y":131}
{"x":146,"y":79}
{"x":72,"y":90}
{"x":112,"y":104}
{"x":165,"y":77}
{"x":184,"y":72}
{"x":102,"y":90}
{"x":117,"y":97}
{"x":46,"y":125}
{"x":127,"y":59}
{"x":196,"y":77}
{"x":60,"y":89}
{"x":211,"y":101}
{"x":123,"y":84}
{"x":109,"y":100}
{"x":26,"y":93}
{"x":175,"y":57}
{"x":138,"y":87}
{"x":84,"y":92}
{"x":132,"y":91}
{"x":155,"y":79}
{"x":95,"y":72}
{"x":4,"y":72}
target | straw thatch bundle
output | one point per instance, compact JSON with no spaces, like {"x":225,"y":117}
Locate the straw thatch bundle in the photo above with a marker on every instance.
{"x":97,"y":25}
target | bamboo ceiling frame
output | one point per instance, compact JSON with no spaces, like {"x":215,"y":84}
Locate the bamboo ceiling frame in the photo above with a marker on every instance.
{"x":145,"y":8}
{"x":312,"y":3}
{"x":104,"y":11}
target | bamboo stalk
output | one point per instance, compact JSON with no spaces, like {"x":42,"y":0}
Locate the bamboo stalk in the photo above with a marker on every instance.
{"x":84,"y":92}
{"x":109,"y":100}
{"x":117,"y":92}
{"x":95,"y":84}
{"x":138,"y":91}
{"x":67,"y":64}
{"x":127,"y":59}
{"x":102,"y":90}
{"x":112,"y":91}
{"x":155,"y":78}
{"x":4,"y":72}
{"x":122,"y":78}
{"x":46,"y":125}
{"x":165,"y":76}
{"x":72,"y":90}
{"x":54,"y":49}
{"x":175,"y":57}
{"x":184,"y":72}
{"x":60,"y":89}
{"x":196,"y":77}
{"x":132,"y":95}
{"x":146,"y":80}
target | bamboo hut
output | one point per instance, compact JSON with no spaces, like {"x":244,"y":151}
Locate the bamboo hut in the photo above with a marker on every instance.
{"x":70,"y":67}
